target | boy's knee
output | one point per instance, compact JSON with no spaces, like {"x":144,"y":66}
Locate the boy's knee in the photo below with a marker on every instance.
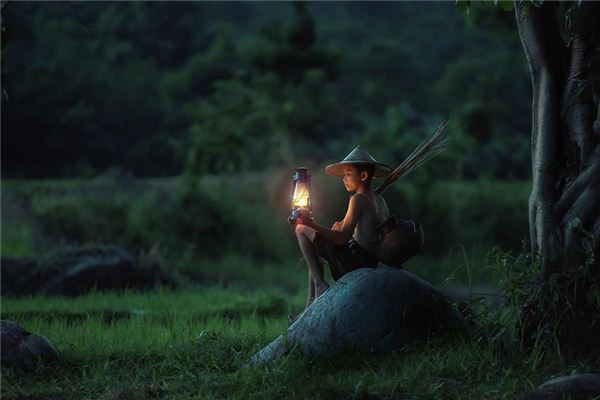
{"x":300,"y":229}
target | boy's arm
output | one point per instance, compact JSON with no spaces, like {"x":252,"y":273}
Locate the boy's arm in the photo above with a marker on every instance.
{"x":347,"y":224}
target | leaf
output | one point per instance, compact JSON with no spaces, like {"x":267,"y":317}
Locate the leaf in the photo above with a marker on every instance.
{"x":593,"y":296}
{"x":506,"y":5}
{"x":463,"y":6}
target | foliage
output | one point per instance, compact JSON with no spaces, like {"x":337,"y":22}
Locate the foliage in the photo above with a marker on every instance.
{"x":457,"y":212}
{"x":276,"y":106}
{"x":555,"y":315}
{"x":16,"y":240}
{"x":206,"y":226}
{"x":80,"y":219}
{"x":563,"y":311}
{"x":210,"y":88}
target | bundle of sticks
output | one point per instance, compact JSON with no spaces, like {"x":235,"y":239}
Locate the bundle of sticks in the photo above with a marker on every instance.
{"x":435,"y":141}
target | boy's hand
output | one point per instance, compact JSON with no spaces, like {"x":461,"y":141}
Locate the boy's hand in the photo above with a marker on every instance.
{"x":337,"y":226}
{"x":296,"y":221}
{"x":302,"y":217}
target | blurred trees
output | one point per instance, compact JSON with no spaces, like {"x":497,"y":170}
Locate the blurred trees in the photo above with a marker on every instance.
{"x":276,"y":103}
{"x":156,"y":88}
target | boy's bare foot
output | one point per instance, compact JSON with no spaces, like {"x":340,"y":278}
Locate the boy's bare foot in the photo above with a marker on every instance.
{"x":309,"y":302}
{"x":320,"y":289}
{"x":292,"y":318}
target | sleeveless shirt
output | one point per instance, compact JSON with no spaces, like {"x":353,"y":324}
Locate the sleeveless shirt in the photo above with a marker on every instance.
{"x":365,"y":232}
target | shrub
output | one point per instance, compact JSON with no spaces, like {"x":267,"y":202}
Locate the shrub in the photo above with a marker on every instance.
{"x":555,"y":315}
{"x":80,"y":218}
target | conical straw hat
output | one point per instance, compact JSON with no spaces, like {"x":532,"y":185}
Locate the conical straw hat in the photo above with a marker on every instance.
{"x":358,"y":156}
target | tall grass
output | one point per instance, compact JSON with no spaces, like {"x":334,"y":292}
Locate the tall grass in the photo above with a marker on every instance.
{"x":205,"y":226}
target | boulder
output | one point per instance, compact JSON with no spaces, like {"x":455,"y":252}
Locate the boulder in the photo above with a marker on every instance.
{"x":21,"y":349}
{"x":107,"y":268}
{"x":576,"y":386}
{"x":76,"y":271}
{"x":377,"y":309}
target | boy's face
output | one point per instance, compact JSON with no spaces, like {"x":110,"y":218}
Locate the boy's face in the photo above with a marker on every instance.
{"x":352,"y":179}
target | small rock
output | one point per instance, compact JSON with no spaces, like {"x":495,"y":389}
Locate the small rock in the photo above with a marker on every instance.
{"x":576,"y":386}
{"x":22,"y":349}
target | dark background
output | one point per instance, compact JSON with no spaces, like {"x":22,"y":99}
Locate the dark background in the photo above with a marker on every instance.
{"x":175,"y":127}
{"x":156,"y":88}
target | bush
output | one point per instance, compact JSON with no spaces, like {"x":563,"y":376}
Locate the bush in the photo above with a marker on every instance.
{"x":79,"y":219}
{"x":458,"y":212}
{"x":556,"y":315}
{"x":197,"y":220}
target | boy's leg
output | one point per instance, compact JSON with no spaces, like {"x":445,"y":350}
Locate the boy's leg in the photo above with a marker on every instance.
{"x":311,"y":285}
{"x":305,"y":237}
{"x":311,"y":290}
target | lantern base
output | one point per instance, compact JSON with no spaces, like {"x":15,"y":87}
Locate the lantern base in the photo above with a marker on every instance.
{"x":300,"y":213}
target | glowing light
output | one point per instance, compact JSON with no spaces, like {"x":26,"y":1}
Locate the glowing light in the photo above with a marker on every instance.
{"x":301,"y":196}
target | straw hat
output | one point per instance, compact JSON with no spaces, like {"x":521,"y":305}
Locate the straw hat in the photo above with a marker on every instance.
{"x":358,"y":156}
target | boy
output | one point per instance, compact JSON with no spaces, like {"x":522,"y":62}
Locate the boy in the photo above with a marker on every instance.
{"x":350,"y":243}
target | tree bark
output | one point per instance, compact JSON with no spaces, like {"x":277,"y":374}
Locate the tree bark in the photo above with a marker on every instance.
{"x":545,"y":53}
{"x":564,"y":206}
{"x":579,"y":205}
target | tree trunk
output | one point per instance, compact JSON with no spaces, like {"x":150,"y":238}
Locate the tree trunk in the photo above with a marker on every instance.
{"x":564,"y":206}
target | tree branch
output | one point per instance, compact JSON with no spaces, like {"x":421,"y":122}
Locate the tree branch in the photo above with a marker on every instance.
{"x":545,"y":52}
{"x":587,"y":179}
{"x":578,"y":109}
{"x":585,"y":205}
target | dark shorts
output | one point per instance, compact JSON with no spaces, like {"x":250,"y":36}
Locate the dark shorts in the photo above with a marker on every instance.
{"x":343,"y":258}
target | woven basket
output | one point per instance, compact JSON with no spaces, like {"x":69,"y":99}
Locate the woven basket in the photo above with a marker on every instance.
{"x":399,"y":240}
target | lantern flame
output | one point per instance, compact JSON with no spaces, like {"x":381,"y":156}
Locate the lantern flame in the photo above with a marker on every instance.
{"x":301,"y":196}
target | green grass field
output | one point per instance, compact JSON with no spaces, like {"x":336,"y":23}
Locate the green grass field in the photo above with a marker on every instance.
{"x":192,"y":344}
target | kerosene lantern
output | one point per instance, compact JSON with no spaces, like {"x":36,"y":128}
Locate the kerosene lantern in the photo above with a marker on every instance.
{"x":301,"y":204}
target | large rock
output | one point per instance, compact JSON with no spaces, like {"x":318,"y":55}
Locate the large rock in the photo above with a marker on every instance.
{"x":22,"y":349}
{"x":577,"y":386}
{"x":76,"y":271}
{"x":377,"y":309}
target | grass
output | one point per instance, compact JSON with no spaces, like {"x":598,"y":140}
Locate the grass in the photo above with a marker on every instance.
{"x":191,"y":344}
{"x":463,"y":265}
